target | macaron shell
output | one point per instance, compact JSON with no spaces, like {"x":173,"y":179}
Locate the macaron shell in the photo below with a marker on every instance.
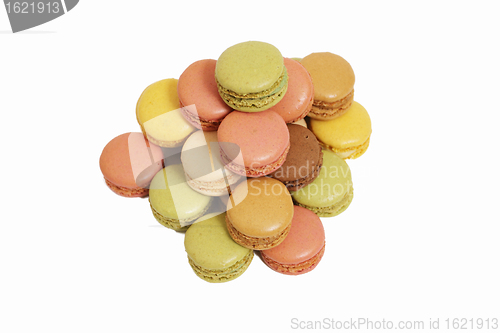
{"x":222,"y":275}
{"x":205,"y":172}
{"x":260,"y":207}
{"x":130,"y":161}
{"x":298,"y":99}
{"x":171,"y":196}
{"x":262,"y":137}
{"x":249,"y":67}
{"x":303,"y":158}
{"x":209,"y":244}
{"x":351,"y":129}
{"x":197,"y":85}
{"x":156,"y":99}
{"x":294,"y":269}
{"x":333,"y":184}
{"x":145,"y":159}
{"x":159,"y":115}
{"x":305,"y":239}
{"x":332,"y":76}
{"x":201,"y":157}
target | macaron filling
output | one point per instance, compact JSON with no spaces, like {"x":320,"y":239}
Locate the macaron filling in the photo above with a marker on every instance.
{"x":268,"y":97}
{"x":332,"y":210}
{"x":162,"y":143}
{"x":176,"y":224}
{"x":294,"y":269}
{"x":324,"y":110}
{"x":167,"y":222}
{"x":215,"y":188}
{"x":127,"y":192}
{"x":199,"y":123}
{"x":348,"y":153}
{"x":255,"y":171}
{"x":256,"y":243}
{"x":222,"y":275}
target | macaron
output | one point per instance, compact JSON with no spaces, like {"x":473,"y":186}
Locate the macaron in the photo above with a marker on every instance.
{"x":213,"y":255}
{"x":303,"y":247}
{"x":331,"y":192}
{"x":253,"y":144}
{"x":301,"y":122}
{"x":159,"y":115}
{"x":251,"y":76}
{"x":303,"y":161}
{"x":259,"y":213}
{"x":199,"y":97}
{"x":205,"y":172}
{"x":299,"y":96}
{"x":128,"y":163}
{"x":347,"y":135}
{"x":175,"y":205}
{"x":333,"y":80}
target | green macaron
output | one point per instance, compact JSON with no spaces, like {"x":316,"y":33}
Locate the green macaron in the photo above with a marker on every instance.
{"x":251,"y":76}
{"x":331,"y":192}
{"x":212,"y":253}
{"x":175,"y":205}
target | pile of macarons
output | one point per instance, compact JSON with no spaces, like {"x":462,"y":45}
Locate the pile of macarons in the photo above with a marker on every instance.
{"x":243,"y":155}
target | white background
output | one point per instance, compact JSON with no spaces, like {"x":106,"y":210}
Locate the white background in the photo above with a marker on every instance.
{"x":419,"y":241}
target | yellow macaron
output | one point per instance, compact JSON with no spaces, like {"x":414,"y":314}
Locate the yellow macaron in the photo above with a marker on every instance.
{"x":159,"y":115}
{"x":347,"y":135}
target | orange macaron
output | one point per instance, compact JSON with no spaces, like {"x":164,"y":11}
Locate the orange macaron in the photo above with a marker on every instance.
{"x":259,"y":213}
{"x":333,"y":80}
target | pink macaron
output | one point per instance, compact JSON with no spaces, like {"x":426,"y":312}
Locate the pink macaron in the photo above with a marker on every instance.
{"x":303,"y":247}
{"x":253,"y":144}
{"x":299,"y":96}
{"x":128,"y":163}
{"x":201,"y":103}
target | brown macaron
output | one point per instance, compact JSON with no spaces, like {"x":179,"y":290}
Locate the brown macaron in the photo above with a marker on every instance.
{"x":303,"y":161}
